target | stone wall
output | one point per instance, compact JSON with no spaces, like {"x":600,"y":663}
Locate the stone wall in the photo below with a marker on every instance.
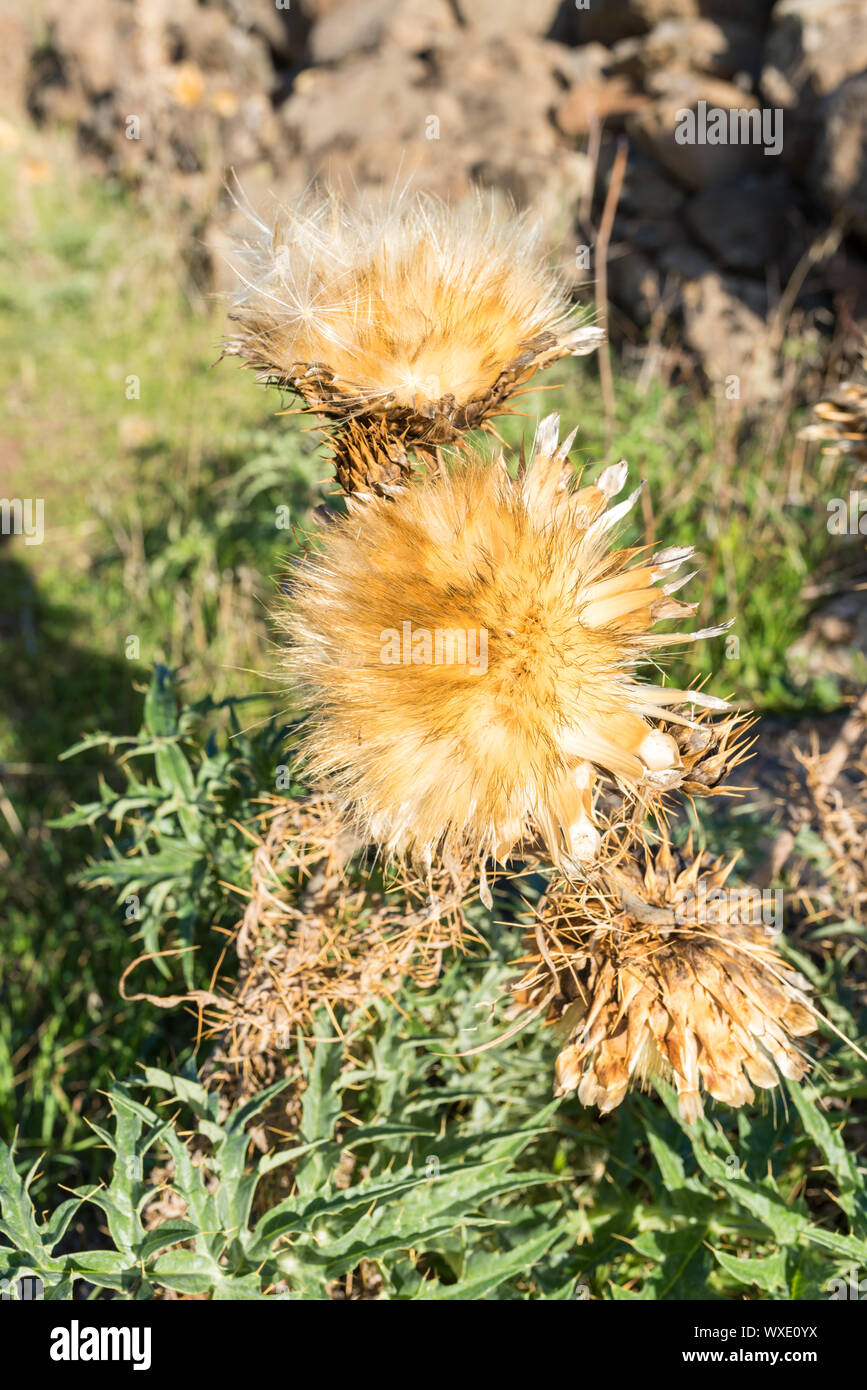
{"x":530,"y":98}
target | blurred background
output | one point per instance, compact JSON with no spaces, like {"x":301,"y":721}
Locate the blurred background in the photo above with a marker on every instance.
{"x":165,"y":98}
{"x":734,"y":285}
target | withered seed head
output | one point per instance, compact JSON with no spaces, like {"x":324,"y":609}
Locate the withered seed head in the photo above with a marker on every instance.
{"x":841,"y":421}
{"x":664,"y":970}
{"x":312,"y":938}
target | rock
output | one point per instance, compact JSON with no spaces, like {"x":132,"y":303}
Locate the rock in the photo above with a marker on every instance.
{"x":474,"y":111}
{"x":724,"y":323}
{"x":753,"y":12}
{"x":372,"y":103}
{"x":634,"y":285}
{"x":550,"y":191}
{"x":844,"y":274}
{"x":700,"y":45}
{"x":352,"y":27}
{"x":284,"y":31}
{"x":596,"y":101}
{"x":359,"y":25}
{"x":813,"y":46}
{"x":585,"y":64}
{"x":622,"y":19}
{"x":750,"y":224}
{"x":839,"y":171}
{"x":17,"y":37}
{"x":495,"y":18}
{"x":684,"y":261}
{"x":216,"y":45}
{"x":172,"y":90}
{"x":316,"y":9}
{"x":451,"y":94}
{"x":95,"y":46}
{"x":654,"y":234}
{"x":506,"y":90}
{"x":647,"y":192}
{"x":660,"y":129}
{"x":608,"y":21}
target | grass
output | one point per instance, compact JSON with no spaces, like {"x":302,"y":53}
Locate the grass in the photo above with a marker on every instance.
{"x":161,"y":546}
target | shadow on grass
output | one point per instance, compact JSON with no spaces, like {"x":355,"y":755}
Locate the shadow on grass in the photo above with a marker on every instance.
{"x":63,"y":1029}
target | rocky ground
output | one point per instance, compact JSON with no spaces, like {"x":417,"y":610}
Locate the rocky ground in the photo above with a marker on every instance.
{"x":713,"y":245}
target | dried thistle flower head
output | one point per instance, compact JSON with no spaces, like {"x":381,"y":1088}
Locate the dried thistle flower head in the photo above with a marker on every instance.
{"x":468,"y":655}
{"x":662,"y":969}
{"x":427,"y":315}
{"x":841,"y":421}
{"x":311,"y":937}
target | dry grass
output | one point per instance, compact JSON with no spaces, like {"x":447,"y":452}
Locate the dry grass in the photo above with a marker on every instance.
{"x":312,"y":939}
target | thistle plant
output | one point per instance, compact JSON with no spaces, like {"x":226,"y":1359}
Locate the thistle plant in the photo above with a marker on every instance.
{"x":371,"y":1148}
{"x":405,"y":324}
{"x":471,"y":641}
{"x":392,"y":1164}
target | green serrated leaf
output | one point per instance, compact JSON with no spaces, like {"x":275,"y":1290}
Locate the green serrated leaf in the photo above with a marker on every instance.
{"x":767,"y":1272}
{"x":488,"y":1271}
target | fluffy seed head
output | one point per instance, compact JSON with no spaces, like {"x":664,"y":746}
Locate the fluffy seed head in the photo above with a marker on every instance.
{"x":468,"y":654}
{"x":429,"y":314}
{"x":676,"y":975}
